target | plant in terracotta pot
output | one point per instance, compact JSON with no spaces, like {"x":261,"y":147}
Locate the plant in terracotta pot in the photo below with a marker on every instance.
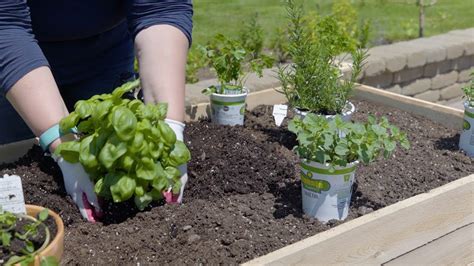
{"x":312,"y":83}
{"x":329,"y":161}
{"x":229,"y":59}
{"x":466,"y":141}
{"x":26,"y":239}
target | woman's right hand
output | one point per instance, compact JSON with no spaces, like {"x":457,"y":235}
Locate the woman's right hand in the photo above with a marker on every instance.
{"x":81,"y":189}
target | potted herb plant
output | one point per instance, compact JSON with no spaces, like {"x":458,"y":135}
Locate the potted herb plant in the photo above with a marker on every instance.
{"x":466,"y":141}
{"x":125,"y":146}
{"x":27,"y":240}
{"x":329,"y":161}
{"x":228,"y":58}
{"x":312,"y":82}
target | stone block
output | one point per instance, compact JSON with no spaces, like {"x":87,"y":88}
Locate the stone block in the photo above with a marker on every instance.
{"x":394,"y":57}
{"x":433,"y":69}
{"x":416,"y":54}
{"x":454,"y":44}
{"x":466,"y":32}
{"x":444,"y":80}
{"x":434,"y":52}
{"x":380,"y":81}
{"x":395,"y":62}
{"x":464,"y":62}
{"x":374,"y":66}
{"x":465,"y":75}
{"x":416,"y":87}
{"x":430,"y":96}
{"x":467,"y":40}
{"x":451,"y":92}
{"x":407,"y":75}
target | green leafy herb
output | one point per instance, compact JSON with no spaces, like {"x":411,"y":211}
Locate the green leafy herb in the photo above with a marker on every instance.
{"x":227,"y":57}
{"x":312,"y":82}
{"x":339,"y":142}
{"x":124,"y":145}
{"x":251,"y":36}
{"x":23,"y":235}
{"x":196,"y":60}
{"x":469,"y":91}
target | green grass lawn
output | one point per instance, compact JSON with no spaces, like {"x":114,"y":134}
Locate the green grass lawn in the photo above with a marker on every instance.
{"x":392,"y":20}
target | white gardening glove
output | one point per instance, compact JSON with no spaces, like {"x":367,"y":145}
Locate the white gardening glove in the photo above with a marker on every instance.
{"x":178,"y":129}
{"x":79,"y":186}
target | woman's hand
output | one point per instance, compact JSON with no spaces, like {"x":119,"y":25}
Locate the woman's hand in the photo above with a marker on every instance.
{"x":79,"y":186}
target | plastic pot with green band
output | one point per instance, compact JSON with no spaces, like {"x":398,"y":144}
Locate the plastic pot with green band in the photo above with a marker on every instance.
{"x":347,"y":112}
{"x":326,"y":193}
{"x":228,"y":109}
{"x":466,"y":140}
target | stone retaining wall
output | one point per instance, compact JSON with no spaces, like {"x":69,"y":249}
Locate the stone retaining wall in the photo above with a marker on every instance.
{"x":432,"y":69}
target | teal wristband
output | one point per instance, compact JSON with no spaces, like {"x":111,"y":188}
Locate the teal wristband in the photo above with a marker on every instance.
{"x":50,"y":135}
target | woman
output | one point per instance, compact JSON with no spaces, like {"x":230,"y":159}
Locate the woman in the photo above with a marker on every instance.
{"x":54,"y":52}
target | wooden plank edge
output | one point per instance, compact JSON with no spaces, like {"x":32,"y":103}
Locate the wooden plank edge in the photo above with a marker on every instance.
{"x":448,"y":116}
{"x":350,"y":225}
{"x":11,"y":152}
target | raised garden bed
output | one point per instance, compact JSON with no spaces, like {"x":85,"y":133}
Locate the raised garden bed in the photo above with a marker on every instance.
{"x":243,"y":199}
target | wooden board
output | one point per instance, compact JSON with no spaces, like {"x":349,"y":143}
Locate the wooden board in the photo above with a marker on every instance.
{"x":448,"y":116}
{"x":387,"y":233}
{"x":455,"y":248}
{"x":11,"y":152}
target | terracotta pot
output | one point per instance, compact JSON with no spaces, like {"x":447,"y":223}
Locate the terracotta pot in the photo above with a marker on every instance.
{"x":56,"y":246}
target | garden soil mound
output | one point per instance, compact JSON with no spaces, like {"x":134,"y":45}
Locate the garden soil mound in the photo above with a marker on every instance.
{"x":243,"y":198}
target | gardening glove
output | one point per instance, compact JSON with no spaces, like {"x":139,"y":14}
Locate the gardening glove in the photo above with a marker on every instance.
{"x":79,"y":186}
{"x":178,"y":129}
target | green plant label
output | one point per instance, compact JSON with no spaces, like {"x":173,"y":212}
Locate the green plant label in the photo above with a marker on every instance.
{"x":314,"y":185}
{"x":466,"y":125}
{"x":346,"y":178}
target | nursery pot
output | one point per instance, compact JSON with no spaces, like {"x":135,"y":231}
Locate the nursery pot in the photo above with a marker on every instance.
{"x":347,"y":112}
{"x":56,"y":245}
{"x":326,"y":195}
{"x":466,"y":141}
{"x":228,"y":109}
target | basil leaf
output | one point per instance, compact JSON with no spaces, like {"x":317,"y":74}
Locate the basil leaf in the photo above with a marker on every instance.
{"x":124,"y":123}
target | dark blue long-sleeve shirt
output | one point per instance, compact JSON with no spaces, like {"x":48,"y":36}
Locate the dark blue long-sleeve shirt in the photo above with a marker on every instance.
{"x":78,"y":39}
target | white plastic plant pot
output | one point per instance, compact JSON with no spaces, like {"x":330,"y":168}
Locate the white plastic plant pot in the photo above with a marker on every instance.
{"x":349,"y":109}
{"x":326,"y":195}
{"x":466,"y":141}
{"x":228,"y":109}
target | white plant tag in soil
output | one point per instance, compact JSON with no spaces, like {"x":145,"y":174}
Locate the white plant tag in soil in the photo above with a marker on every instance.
{"x":11,"y":194}
{"x":279,"y":113}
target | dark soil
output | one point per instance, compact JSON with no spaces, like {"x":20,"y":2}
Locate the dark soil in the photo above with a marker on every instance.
{"x":243,"y":199}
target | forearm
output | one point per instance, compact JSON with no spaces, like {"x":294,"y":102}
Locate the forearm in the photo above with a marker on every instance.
{"x":36,"y":98}
{"x":161,"y":52}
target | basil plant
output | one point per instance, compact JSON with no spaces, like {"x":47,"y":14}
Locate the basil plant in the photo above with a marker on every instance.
{"x":125,"y":146}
